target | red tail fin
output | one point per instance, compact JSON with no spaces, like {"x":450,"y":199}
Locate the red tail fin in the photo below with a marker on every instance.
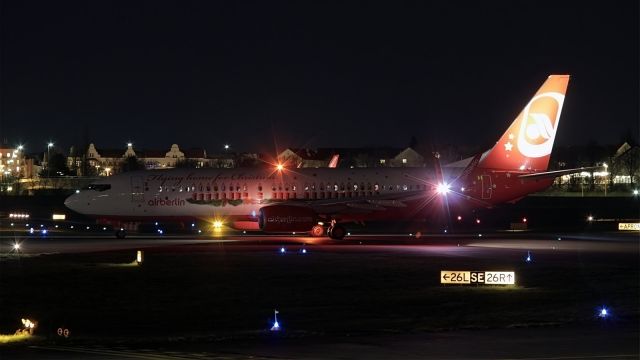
{"x":527,"y":144}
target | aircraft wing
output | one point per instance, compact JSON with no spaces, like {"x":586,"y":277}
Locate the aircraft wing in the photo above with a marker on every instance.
{"x":361,"y":205}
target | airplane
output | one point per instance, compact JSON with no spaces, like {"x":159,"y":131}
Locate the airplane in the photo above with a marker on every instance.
{"x":320,"y":201}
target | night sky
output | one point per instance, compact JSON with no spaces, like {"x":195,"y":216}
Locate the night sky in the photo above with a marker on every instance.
{"x":315,"y":74}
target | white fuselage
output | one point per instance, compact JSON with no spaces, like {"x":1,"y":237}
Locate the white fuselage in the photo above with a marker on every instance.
{"x":200,"y":193}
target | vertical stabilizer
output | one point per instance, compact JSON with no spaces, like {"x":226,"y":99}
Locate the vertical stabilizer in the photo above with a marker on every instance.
{"x":527,"y":143}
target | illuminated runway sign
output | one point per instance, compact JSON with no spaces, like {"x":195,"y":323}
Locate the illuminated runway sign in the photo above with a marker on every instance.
{"x":629,"y":226}
{"x":478,"y":277}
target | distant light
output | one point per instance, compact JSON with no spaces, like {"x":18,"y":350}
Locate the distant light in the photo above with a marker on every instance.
{"x":16,"y":246}
{"x":11,"y":224}
{"x":71,"y":227}
{"x":524,"y":219}
{"x":129,"y":144}
{"x":528,"y":259}
{"x":590,"y":218}
{"x":521,"y":167}
{"x":282,"y":250}
{"x":88,"y":227}
{"x":77,"y":191}
{"x":477,"y":221}
{"x":635,"y":192}
{"x":559,"y":239}
{"x":41,"y":225}
{"x":44,"y":232}
{"x":605,"y":165}
{"x":459,"y":217}
{"x":442,"y":188}
{"x":462,"y":188}
{"x":410,"y":234}
{"x":160,"y":231}
{"x":279,"y":167}
{"x":348,"y":234}
{"x":104,"y":228}
{"x":31,"y":231}
{"x":226,"y":147}
{"x":19,"y":147}
{"x":479,"y":235}
{"x":50,"y":144}
{"x":304,"y":251}
{"x":293,"y":233}
{"x":192,"y":224}
{"x":217,"y":224}
{"x":244,"y":231}
{"x":139,"y":256}
{"x":445,"y":231}
{"x":199,"y":231}
{"x":156,"y":223}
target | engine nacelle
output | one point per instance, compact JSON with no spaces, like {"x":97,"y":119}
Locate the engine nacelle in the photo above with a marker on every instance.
{"x":286,"y":218}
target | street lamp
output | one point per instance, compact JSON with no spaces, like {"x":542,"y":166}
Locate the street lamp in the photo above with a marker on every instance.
{"x":49,"y":146}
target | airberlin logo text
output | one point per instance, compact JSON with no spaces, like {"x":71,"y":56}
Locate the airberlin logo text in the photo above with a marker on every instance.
{"x":163,"y":202}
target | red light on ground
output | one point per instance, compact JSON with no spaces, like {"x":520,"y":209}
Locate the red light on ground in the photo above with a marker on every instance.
{"x":477,"y":221}
{"x":459,"y":217}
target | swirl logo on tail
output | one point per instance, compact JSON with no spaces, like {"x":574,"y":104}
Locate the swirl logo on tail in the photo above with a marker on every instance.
{"x":539,"y":123}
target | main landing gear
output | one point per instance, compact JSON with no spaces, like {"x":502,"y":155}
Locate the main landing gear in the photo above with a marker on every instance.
{"x":335,"y":231}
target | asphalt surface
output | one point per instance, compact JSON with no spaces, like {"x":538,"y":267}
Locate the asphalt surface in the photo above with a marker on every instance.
{"x":601,"y":340}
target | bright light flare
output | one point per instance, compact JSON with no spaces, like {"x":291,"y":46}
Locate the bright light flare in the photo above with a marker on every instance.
{"x":279,"y":167}
{"x":16,"y":247}
{"x":217,"y":224}
{"x":442,"y":188}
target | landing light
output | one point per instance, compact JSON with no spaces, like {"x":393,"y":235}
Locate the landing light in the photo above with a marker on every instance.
{"x":279,"y":167}
{"x":442,"y":188}
{"x":217,"y":224}
{"x":16,"y":246}
{"x":590,"y":218}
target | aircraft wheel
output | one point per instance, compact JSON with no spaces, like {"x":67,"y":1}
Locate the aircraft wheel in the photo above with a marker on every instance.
{"x":121,"y":234}
{"x":317,"y":231}
{"x":337,"y":232}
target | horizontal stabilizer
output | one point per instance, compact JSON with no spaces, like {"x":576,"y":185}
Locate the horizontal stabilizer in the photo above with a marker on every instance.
{"x":556,"y":173}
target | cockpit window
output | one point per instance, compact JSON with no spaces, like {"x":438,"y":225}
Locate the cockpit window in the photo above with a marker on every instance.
{"x":98,"y":187}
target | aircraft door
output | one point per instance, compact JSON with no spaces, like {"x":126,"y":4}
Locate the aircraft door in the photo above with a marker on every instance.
{"x":137,"y":189}
{"x":487,"y":187}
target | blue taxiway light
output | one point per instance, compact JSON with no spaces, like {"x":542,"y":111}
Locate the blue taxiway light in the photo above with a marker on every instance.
{"x":603,"y":313}
{"x":275,"y":327}
{"x":44,"y":232}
